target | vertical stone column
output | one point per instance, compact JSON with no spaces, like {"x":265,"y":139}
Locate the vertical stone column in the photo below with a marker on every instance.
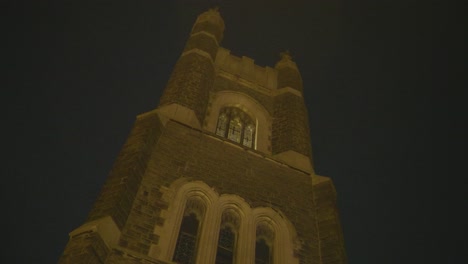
{"x":187,"y":90}
{"x":290,"y":130}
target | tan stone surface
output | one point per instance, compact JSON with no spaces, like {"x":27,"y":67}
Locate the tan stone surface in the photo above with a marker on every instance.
{"x":136,"y":216}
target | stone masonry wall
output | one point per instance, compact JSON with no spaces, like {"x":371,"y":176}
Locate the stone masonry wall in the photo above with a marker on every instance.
{"x":290,"y":125}
{"x":209,"y":27}
{"x":194,"y":72}
{"x":118,"y":196}
{"x":189,"y":84}
{"x":185,"y":152}
{"x":118,"y":193}
{"x":289,"y":77}
{"x":85,"y":248}
{"x":120,"y":256}
{"x":203,"y":42}
{"x":331,"y":237}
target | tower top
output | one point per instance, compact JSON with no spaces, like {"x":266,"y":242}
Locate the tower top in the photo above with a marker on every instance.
{"x":285,"y":55}
{"x":212,"y":15}
{"x":286,"y":61}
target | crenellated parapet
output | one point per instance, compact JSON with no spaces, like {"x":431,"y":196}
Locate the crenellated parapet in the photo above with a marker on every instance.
{"x":243,"y":69}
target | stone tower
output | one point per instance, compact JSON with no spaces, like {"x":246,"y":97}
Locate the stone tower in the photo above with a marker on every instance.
{"x":219,"y":172}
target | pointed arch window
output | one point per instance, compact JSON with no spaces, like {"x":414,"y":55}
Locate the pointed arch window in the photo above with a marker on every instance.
{"x":263,"y":244}
{"x":235,"y":130}
{"x":227,"y":241}
{"x":248,"y":136}
{"x":222,"y":124}
{"x":262,"y":252}
{"x":206,"y":227}
{"x":187,"y":241}
{"x":237,"y":126}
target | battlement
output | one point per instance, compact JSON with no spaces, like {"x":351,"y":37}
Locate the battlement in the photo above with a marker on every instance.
{"x":245,"y":68}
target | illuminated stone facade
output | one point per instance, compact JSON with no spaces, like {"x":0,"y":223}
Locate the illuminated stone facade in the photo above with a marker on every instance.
{"x":219,"y":172}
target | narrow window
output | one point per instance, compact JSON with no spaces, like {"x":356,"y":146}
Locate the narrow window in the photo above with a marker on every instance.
{"x":262,"y":252}
{"x":222,"y":124}
{"x":226,"y":241}
{"x":235,"y":130}
{"x":226,"y":251}
{"x":187,"y":241}
{"x":263,"y":244}
{"x":248,"y":136}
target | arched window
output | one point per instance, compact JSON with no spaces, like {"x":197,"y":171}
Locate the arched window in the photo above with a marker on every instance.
{"x":205,"y":227}
{"x":262,"y":252}
{"x":235,"y":130}
{"x":187,"y":241}
{"x":263,"y":244}
{"x":222,"y":124}
{"x":236,"y":125}
{"x":225,"y":253}
{"x":226,"y":242}
{"x":248,"y":136}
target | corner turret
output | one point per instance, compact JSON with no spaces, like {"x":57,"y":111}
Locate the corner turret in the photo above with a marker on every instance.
{"x":186,"y":95}
{"x":290,"y":129}
{"x":288,"y":73}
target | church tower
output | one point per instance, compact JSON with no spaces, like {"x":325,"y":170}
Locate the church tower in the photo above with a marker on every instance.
{"x":220,"y":172}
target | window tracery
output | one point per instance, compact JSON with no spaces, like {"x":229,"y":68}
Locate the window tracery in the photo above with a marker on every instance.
{"x":226,"y":242}
{"x":248,"y":136}
{"x":222,"y":124}
{"x":187,"y":242}
{"x":225,"y":253}
{"x":263,"y":244}
{"x":236,"y":125}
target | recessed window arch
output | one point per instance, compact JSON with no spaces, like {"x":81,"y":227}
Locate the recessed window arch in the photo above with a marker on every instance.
{"x":249,"y":228}
{"x":264,"y":243}
{"x":237,"y":126}
{"x":188,"y":239}
{"x":261,"y":136}
{"x":228,"y":236}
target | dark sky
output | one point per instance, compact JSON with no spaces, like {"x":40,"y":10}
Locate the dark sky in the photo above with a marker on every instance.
{"x":78,"y":73}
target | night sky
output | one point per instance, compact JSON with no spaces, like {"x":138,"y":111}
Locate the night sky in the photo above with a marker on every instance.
{"x":78,"y":73}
